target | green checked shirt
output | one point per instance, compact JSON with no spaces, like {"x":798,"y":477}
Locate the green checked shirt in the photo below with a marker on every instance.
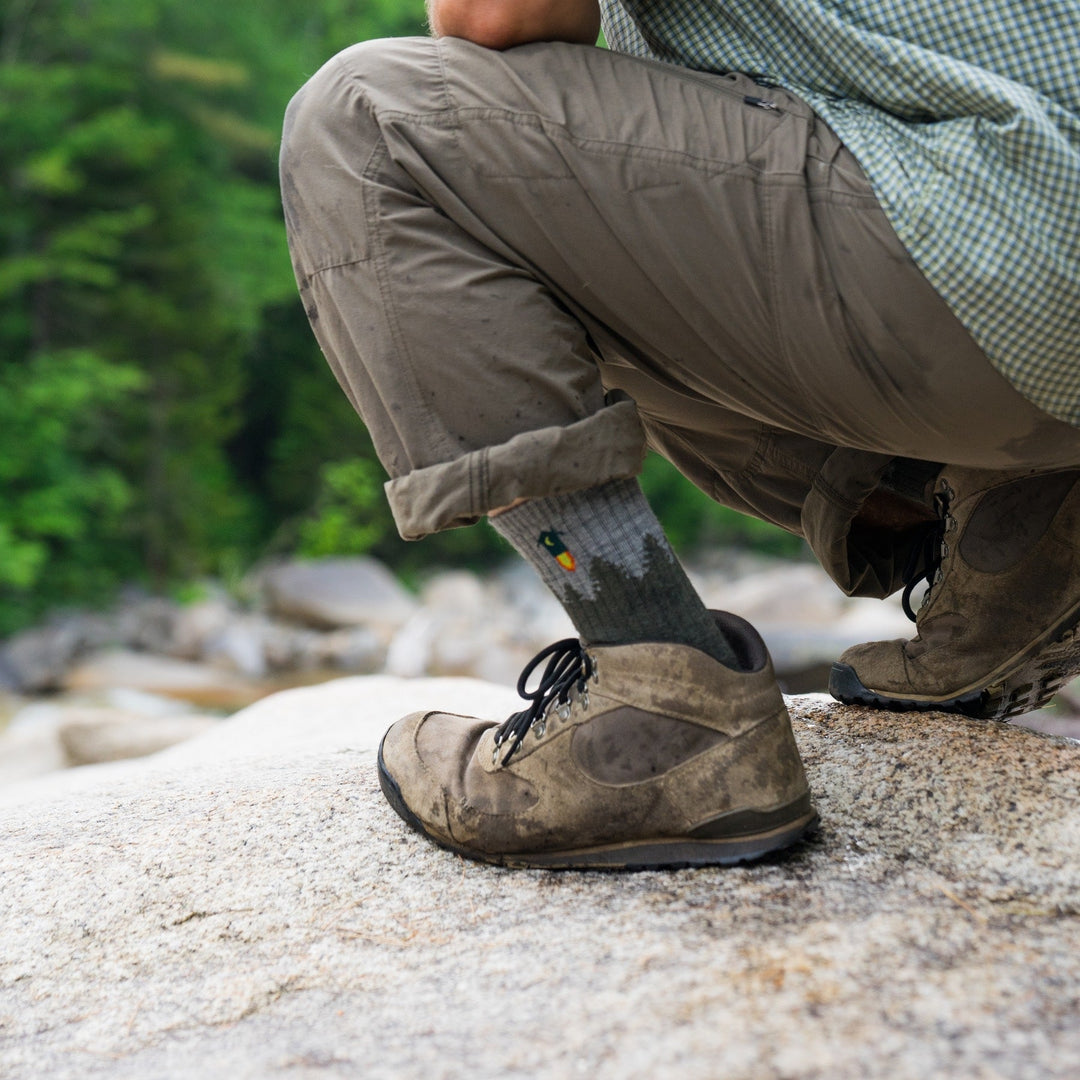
{"x":965,"y":116}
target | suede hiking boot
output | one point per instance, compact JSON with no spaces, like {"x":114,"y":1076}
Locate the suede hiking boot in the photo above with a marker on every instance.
{"x":996,"y":633}
{"x":630,"y":756}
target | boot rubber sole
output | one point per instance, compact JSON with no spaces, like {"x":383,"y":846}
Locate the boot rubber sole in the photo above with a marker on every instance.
{"x":657,"y":853}
{"x":1022,"y":684}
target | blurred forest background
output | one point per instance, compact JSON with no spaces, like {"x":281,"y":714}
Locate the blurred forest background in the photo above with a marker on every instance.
{"x":164,"y":411}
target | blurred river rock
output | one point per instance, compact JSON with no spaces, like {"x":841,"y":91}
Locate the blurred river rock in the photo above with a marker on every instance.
{"x":92,"y":687}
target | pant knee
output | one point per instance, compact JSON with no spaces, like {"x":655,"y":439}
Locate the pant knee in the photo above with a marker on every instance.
{"x":343,"y":98}
{"x":326,"y":108}
{"x":331,"y":142}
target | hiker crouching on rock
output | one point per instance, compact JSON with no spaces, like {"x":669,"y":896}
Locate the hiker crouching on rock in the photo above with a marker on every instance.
{"x":826,"y":260}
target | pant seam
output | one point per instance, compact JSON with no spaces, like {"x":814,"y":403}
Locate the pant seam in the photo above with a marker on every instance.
{"x":479,"y":483}
{"x":772,"y":454}
{"x":756,"y":461}
{"x":829,"y":492}
{"x":460,"y":115}
{"x":338,"y":266}
{"x":378,"y":263}
{"x":444,"y":80}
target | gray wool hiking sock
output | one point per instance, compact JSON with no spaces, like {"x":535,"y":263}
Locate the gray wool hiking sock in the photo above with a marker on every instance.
{"x":603,"y":553}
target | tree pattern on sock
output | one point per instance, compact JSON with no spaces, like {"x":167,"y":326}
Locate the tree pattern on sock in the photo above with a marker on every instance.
{"x":603,"y":553}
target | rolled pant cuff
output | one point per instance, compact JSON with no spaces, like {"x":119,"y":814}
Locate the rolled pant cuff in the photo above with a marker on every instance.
{"x":608,"y":445}
{"x":846,"y":480}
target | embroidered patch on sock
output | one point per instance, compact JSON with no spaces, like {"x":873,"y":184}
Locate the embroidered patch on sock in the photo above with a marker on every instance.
{"x":552,"y":543}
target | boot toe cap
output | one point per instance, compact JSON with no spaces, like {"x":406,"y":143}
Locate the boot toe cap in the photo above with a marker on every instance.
{"x":879,"y":665}
{"x":424,"y":758}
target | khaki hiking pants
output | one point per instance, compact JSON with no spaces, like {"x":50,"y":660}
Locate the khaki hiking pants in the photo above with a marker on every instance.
{"x":524,"y":267}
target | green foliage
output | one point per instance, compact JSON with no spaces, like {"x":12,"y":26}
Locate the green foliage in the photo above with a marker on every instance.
{"x":350,"y":517}
{"x":693,"y":521}
{"x":62,"y":493}
{"x":164,"y":410}
{"x":142,"y":264}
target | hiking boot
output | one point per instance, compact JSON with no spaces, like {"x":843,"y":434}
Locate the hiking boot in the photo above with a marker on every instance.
{"x":630,"y":756}
{"x":996,"y":633}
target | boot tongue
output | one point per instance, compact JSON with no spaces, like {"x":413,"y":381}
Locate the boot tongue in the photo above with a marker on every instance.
{"x":1011,"y":519}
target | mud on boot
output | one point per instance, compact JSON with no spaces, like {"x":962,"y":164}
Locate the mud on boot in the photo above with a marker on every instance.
{"x":997,"y":629}
{"x":629,"y":756}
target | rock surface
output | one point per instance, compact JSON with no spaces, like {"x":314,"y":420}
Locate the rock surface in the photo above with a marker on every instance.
{"x":338,"y":592}
{"x":46,"y":736}
{"x":200,"y":684}
{"x":31,"y":746}
{"x":246,"y":905}
{"x":93,"y":735}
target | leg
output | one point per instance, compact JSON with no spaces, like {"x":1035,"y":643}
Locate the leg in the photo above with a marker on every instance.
{"x":534,"y":388}
{"x":440,"y":156}
{"x":477,"y":385}
{"x":707,"y":750}
{"x":476,"y":227}
{"x":996,"y":632}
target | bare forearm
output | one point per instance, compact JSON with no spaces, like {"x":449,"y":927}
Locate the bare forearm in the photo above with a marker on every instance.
{"x":501,"y":24}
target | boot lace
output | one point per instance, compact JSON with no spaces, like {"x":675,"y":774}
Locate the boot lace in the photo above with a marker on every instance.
{"x":924,"y":562}
{"x":569,"y":666}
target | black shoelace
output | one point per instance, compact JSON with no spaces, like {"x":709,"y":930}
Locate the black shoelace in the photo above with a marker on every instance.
{"x":927,"y":555}
{"x":568,"y":665}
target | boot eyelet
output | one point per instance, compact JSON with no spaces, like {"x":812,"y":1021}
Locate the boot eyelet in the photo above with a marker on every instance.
{"x":568,"y":667}
{"x":583,"y":697}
